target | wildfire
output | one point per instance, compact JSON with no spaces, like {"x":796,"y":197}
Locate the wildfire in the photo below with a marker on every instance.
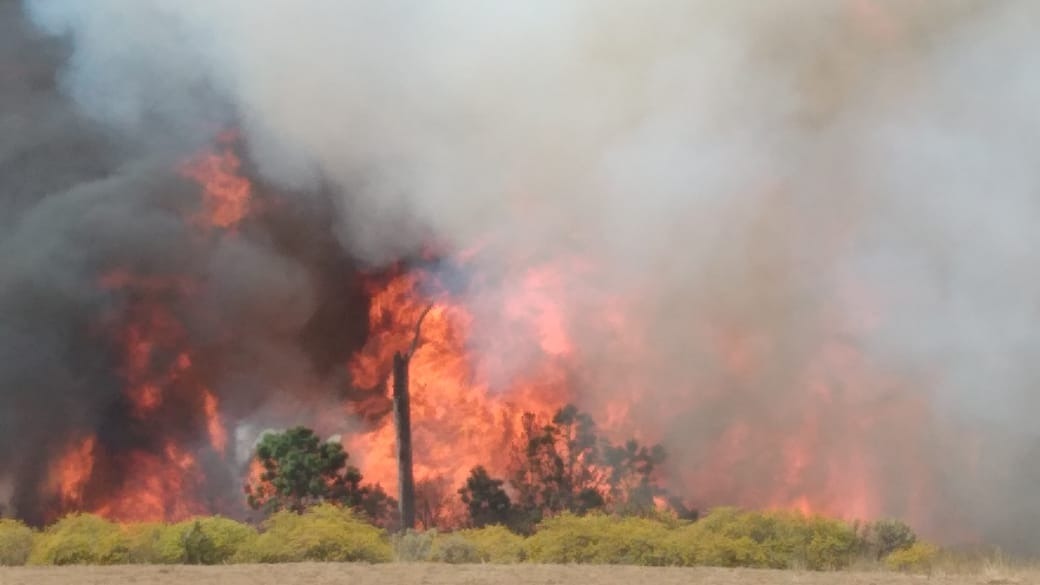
{"x":154,"y":484}
{"x":159,"y":373}
{"x":484,"y":358}
{"x":818,"y":454}
{"x":460,"y":419}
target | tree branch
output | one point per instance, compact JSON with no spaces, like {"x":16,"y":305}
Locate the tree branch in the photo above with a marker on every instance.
{"x":418,"y":327}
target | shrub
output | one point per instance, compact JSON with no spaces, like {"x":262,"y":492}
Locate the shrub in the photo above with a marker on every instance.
{"x":887,"y":536}
{"x":413,"y":546}
{"x":143,"y":542}
{"x":832,"y":544}
{"x":203,"y":541}
{"x":454,"y":549}
{"x":601,"y":539}
{"x":728,"y":537}
{"x":917,"y":558}
{"x":322,"y":533}
{"x":81,"y":539}
{"x":696,"y":547}
{"x":16,"y":540}
{"x":496,"y":544}
{"x":198,"y":546}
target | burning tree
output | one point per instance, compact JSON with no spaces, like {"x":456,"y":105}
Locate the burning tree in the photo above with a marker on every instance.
{"x":565,"y":466}
{"x":557,"y":468}
{"x":298,"y":470}
{"x":403,"y":428}
{"x":631,"y":475}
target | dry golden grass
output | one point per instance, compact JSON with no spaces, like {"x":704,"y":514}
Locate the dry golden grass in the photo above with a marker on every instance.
{"x":438,"y":574}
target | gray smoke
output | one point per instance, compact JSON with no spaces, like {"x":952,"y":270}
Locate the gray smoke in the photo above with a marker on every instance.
{"x":797,"y":179}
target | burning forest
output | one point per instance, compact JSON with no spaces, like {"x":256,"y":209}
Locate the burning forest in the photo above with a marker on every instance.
{"x":789,"y":244}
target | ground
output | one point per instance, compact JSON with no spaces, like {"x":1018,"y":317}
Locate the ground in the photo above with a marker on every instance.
{"x":435,"y":574}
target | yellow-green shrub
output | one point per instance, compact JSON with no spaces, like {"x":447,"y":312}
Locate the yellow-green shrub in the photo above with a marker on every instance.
{"x":832,"y":544}
{"x":81,"y":539}
{"x":227,"y":536}
{"x":322,"y":533}
{"x":206,"y":541}
{"x":16,"y":540}
{"x":917,"y":558}
{"x":698,"y":547}
{"x":601,"y":539}
{"x":143,"y":542}
{"x":728,"y":537}
{"x":495,"y":544}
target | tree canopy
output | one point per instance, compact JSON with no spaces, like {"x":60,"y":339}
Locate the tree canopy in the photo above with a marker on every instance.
{"x":298,"y":470}
{"x":486,"y":502}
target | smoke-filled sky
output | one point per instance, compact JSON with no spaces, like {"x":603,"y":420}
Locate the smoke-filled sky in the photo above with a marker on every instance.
{"x":791,"y":172}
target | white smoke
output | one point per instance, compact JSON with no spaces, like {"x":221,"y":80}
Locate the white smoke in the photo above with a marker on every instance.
{"x":750,"y":159}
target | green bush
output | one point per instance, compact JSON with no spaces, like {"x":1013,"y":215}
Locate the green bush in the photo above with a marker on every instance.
{"x":81,"y":539}
{"x":414,"y":547}
{"x":322,"y":533}
{"x":496,"y":544}
{"x":601,"y":539}
{"x":884,"y":537}
{"x":16,"y":540}
{"x":917,"y":558}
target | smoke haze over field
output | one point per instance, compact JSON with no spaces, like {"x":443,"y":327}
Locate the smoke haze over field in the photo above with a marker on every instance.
{"x":812,"y":206}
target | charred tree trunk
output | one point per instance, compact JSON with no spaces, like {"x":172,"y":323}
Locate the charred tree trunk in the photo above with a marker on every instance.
{"x":403,"y":426}
{"x":403,"y":423}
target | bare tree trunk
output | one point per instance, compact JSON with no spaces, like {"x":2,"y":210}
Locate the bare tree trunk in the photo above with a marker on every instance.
{"x":403,"y":424}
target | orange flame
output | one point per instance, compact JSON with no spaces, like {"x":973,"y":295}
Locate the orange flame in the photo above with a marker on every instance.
{"x":157,"y":488}
{"x":217,"y":433}
{"x":70,"y":473}
{"x":158,"y":369}
{"x":227,"y":194}
{"x":459,"y":419}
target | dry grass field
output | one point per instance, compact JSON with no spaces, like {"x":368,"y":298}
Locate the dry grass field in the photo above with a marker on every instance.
{"x":440,"y":574}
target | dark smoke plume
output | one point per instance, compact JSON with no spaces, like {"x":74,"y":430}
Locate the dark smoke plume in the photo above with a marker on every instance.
{"x":80,"y":201}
